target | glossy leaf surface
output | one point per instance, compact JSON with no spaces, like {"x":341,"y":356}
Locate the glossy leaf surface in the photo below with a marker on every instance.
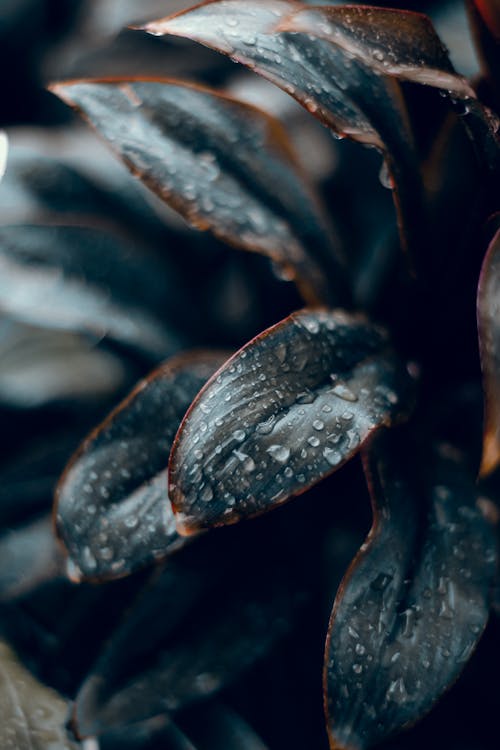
{"x":81,"y":279}
{"x":112,"y":509}
{"x":415,"y":600}
{"x":209,"y":615}
{"x":342,"y":90}
{"x":488,"y":313}
{"x":32,"y":716}
{"x":284,"y":412}
{"x":222,"y":164}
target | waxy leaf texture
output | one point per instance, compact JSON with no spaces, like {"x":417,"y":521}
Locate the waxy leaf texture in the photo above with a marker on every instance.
{"x":285,"y":411}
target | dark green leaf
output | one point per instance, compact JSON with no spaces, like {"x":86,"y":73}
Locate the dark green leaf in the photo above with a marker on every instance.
{"x":112,"y":509}
{"x":488,"y":314}
{"x":285,"y":411}
{"x":415,"y":600}
{"x":222,"y":164}
{"x":32,"y":716}
{"x":81,"y":279}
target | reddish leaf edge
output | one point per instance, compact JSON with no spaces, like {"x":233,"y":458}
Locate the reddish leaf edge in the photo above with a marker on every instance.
{"x":187,"y":529}
{"x":277,"y":137}
{"x":173,"y":365}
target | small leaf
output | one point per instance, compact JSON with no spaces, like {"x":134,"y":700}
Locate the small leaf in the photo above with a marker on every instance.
{"x":222,"y":164}
{"x":213,"y":611}
{"x":415,"y":600}
{"x":81,"y":279}
{"x":32,"y":716}
{"x":488,"y":315}
{"x":112,"y":508}
{"x":284,"y":412}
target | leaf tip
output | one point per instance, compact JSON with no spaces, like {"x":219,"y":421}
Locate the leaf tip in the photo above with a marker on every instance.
{"x":491,"y":455}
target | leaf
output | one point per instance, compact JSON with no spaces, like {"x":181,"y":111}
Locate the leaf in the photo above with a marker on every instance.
{"x":488,"y":316}
{"x":213,"y":611}
{"x":222,"y":164}
{"x":285,"y":411}
{"x":112,"y":509}
{"x":485,"y":18}
{"x":32,"y":716}
{"x":28,"y":557}
{"x":405,"y":46}
{"x":81,"y":279}
{"x":414,"y":602}
{"x":343,"y":91}
{"x":40,"y":367}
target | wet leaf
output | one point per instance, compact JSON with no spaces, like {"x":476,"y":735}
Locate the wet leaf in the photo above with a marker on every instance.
{"x":222,"y":164}
{"x":343,"y":91}
{"x":213,"y":611}
{"x":112,"y":509}
{"x":285,"y":411}
{"x":29,"y":556}
{"x":81,"y":279}
{"x":39,"y":367}
{"x":488,"y":314}
{"x":415,"y":600}
{"x":405,"y":46}
{"x":32,"y":716}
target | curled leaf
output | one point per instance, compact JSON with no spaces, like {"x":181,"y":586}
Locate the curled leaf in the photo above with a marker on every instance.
{"x":222,"y":164}
{"x":415,"y":600}
{"x":285,"y":411}
{"x":112,"y":509}
{"x":488,"y":315}
{"x":32,"y":716}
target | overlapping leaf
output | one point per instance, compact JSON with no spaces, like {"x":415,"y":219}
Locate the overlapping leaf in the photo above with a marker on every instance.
{"x":339,"y":88}
{"x":416,"y":598}
{"x":81,"y":279}
{"x":32,"y":716}
{"x":209,"y":615}
{"x":488,"y":313}
{"x":112,"y":508}
{"x":222,"y":164}
{"x":285,"y":411}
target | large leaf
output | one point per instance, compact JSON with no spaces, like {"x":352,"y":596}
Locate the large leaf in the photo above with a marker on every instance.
{"x":112,"y":509}
{"x":222,"y":164}
{"x":414,"y":602}
{"x":81,"y":279}
{"x":32,"y":716}
{"x":210,"y":614}
{"x":285,"y":411}
{"x":488,"y":314}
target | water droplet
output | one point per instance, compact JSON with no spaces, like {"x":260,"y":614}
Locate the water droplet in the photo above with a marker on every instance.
{"x":397,"y":691}
{"x":239,"y":435}
{"x":318,"y":424}
{"x":360,"y":649}
{"x":314,"y":441}
{"x":357,"y":668}
{"x":306,"y":397}
{"x":280,"y":453}
{"x":343,"y":392}
{"x":264,"y":428}
{"x":207,"y":494}
{"x":332,"y":456}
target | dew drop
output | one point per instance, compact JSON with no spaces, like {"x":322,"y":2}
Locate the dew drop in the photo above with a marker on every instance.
{"x":207,"y":494}
{"x":314,"y":441}
{"x":280,"y":453}
{"x":343,"y":392}
{"x":318,"y":424}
